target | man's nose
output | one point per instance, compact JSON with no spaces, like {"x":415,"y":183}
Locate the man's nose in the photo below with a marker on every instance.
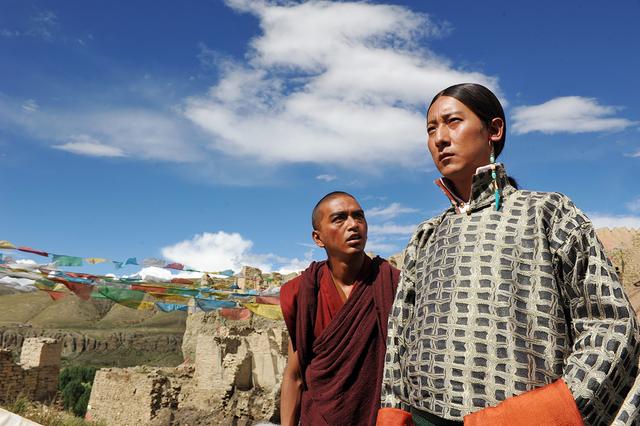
{"x":441,"y":136}
{"x":351,"y":222}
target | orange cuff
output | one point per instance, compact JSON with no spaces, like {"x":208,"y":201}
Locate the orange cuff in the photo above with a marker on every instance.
{"x":393,"y":417}
{"x":550,"y":405}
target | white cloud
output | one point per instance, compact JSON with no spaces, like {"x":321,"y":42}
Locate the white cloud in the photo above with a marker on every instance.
{"x":327,"y":178}
{"x":568,"y":114}
{"x":86,"y":145}
{"x":30,"y":105}
{"x":341,"y":83}
{"x":634,"y":205}
{"x":140,"y":133}
{"x":391,"y":229}
{"x":634,"y":155}
{"x":210,"y":251}
{"x":381,"y":247}
{"x":43,"y":24}
{"x":389,"y":212}
{"x":297,"y":265}
{"x":614,"y":221}
{"x":158,"y":274}
{"x":221,"y":250}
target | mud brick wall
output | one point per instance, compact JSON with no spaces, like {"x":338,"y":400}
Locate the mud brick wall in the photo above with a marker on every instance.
{"x":134,"y":396}
{"x":35,"y":376}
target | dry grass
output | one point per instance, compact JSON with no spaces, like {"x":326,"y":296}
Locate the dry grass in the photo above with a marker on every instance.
{"x":46,"y":415}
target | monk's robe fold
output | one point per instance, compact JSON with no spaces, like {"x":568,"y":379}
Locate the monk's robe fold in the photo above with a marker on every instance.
{"x":342,"y":367}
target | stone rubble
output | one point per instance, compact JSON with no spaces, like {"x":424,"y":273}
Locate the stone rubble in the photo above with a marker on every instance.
{"x":231,"y":375}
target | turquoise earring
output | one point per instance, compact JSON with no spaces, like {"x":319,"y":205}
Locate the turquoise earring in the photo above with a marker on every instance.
{"x":492,"y":160}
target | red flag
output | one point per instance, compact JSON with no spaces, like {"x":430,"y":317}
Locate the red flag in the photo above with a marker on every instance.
{"x":56,"y":295}
{"x":178,"y":266}
{"x":83,"y":291}
{"x":268,"y":300}
{"x":235,"y":314}
{"x":182,"y":281}
{"x":34,"y":251}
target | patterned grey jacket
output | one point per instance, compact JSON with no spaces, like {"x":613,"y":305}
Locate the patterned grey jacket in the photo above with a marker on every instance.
{"x":492,"y":304}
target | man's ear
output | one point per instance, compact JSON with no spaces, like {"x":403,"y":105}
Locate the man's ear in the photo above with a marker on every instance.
{"x":316,"y":238}
{"x":496,"y":129}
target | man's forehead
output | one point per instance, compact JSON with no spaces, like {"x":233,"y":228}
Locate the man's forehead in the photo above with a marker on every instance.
{"x":338,"y":203}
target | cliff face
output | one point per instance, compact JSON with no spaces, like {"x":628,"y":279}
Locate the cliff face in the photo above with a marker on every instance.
{"x":623,"y":248}
{"x":74,"y":343}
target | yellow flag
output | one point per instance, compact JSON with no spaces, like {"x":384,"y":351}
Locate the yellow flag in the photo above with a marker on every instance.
{"x":60,"y":287}
{"x":268,"y":311}
{"x":171,"y":298}
{"x":146,"y":306}
{"x":94,"y":260}
{"x":6,"y":245}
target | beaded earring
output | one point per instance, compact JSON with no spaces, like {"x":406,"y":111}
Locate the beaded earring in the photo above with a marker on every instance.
{"x":492,"y":160}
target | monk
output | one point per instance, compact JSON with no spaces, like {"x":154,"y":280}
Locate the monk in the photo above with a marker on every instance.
{"x":336,"y":313}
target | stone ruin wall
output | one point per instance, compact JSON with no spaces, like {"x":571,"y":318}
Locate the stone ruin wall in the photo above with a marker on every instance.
{"x":232,"y":374}
{"x":35,"y":376}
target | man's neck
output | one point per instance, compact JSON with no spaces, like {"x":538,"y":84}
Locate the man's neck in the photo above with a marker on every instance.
{"x":461,"y":188}
{"x":345,"y":270}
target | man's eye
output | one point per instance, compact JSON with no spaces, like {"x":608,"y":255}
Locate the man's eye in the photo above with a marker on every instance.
{"x":431,"y":130}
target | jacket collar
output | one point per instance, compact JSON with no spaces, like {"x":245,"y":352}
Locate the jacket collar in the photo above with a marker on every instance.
{"x":482,"y":189}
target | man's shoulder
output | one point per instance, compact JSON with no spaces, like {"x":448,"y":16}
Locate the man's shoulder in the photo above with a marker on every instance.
{"x":387,"y":264}
{"x":291,"y":287}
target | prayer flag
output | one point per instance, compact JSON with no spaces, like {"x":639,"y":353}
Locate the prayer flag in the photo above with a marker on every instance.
{"x":268,"y":311}
{"x":183,"y":291}
{"x":212,"y":304}
{"x":123,"y":296}
{"x":6,"y":245}
{"x":94,"y":260}
{"x":178,"y":266}
{"x":145,"y":306}
{"x":148,"y":288}
{"x":34,"y":251}
{"x":43,"y":284}
{"x":173,"y":298}
{"x":171,"y":307}
{"x":226,"y":272}
{"x":62,"y":260}
{"x":117,"y":264}
{"x":83,"y":291}
{"x":131,"y":261}
{"x":268,"y":300}
{"x":55,"y":295}
{"x":236,"y":314}
{"x":188,"y":281}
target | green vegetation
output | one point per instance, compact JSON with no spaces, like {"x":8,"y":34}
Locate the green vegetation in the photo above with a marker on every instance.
{"x":75,"y":387}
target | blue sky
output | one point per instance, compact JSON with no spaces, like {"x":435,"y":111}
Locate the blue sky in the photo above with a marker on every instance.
{"x":206,"y":134}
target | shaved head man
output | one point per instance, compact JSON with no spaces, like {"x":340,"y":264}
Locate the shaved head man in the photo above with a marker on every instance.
{"x":336,"y":313}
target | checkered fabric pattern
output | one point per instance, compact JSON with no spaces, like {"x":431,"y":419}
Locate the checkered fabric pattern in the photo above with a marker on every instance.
{"x":492,"y":304}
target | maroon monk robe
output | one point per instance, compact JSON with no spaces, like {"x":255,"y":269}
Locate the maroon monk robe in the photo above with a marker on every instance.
{"x":342,"y":366}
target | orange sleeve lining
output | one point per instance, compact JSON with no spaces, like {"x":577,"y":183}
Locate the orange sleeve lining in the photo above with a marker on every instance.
{"x":550,"y":405}
{"x":393,"y":417}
